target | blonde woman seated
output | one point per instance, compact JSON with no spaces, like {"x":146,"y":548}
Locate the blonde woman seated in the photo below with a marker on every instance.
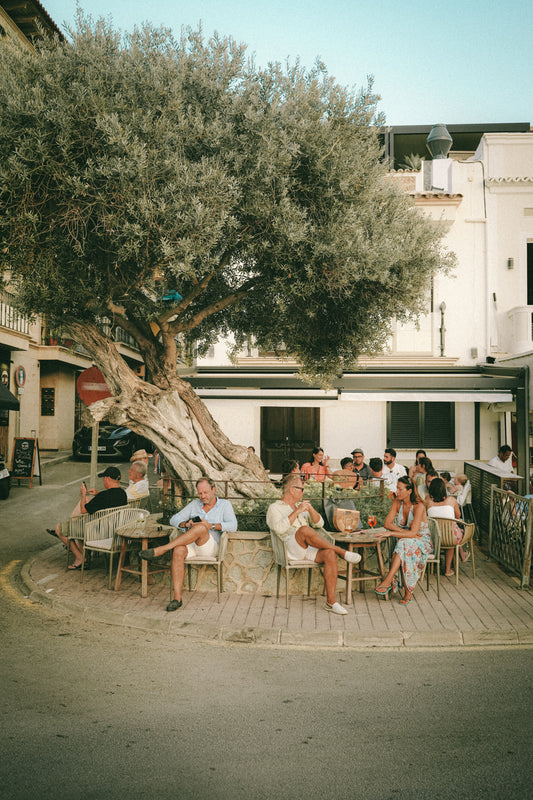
{"x":443,"y":506}
{"x":407,"y":522}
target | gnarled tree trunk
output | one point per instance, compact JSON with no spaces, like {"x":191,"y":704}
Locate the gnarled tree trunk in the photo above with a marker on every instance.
{"x":171,"y":416}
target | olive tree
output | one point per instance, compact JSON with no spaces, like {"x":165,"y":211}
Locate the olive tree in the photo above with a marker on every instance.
{"x":177,"y":190}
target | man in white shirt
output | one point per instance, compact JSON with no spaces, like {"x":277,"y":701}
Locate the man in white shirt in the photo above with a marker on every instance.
{"x":138,"y":486}
{"x":391,"y":467}
{"x":390,"y":481}
{"x":503,"y":461}
{"x":298,"y":524}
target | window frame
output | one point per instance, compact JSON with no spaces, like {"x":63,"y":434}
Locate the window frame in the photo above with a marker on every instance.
{"x":422,"y":438}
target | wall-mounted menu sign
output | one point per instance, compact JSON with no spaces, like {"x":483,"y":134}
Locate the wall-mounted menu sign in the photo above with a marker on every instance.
{"x":26,"y":462}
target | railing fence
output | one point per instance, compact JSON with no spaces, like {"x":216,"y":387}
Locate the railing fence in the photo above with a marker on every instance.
{"x":510,"y":532}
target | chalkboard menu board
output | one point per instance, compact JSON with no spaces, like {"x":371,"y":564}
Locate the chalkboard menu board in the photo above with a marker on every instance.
{"x":25,"y":459}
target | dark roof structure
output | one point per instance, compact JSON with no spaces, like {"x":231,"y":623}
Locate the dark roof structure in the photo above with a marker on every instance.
{"x":31,"y":18}
{"x":399,"y":141}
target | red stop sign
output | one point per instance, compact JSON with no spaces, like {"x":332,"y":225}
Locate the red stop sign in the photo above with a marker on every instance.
{"x":91,"y":386}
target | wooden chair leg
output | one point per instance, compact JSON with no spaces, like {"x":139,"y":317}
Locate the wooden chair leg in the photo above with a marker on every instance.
{"x":110,"y":582}
{"x":309,"y":582}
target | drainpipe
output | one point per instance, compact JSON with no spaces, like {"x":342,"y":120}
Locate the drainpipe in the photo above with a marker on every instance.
{"x":442,"y":309}
{"x":522,"y":427}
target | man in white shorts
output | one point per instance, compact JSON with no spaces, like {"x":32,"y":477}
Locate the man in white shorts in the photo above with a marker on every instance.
{"x":296,"y":522}
{"x":204,"y":519}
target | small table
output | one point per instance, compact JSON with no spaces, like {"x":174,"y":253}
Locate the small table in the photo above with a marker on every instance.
{"x":361,"y":540}
{"x":151,"y":529}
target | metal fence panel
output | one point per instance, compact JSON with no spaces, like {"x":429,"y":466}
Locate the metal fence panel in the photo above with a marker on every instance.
{"x":510,"y":532}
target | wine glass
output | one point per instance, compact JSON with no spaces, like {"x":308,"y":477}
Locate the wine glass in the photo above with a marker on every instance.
{"x":372,"y":520}
{"x":348,"y":526}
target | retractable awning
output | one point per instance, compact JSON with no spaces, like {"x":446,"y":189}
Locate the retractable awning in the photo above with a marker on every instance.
{"x":8,"y":400}
{"x":431,"y":397}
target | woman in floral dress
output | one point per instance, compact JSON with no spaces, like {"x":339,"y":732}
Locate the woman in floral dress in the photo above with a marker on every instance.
{"x":406,"y":521}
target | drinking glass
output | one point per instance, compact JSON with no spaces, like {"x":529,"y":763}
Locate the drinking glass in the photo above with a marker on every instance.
{"x":372,"y":520}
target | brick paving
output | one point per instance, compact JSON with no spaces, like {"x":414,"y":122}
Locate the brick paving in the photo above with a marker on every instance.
{"x":490,"y":610}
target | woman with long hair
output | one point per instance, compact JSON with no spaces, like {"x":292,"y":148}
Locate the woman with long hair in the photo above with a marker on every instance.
{"x":444,"y":506}
{"x":317,"y":466}
{"x":414,"y":470}
{"x":407,"y":522}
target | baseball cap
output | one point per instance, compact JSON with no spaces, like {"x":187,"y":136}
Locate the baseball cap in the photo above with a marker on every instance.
{"x":110,"y":472}
{"x":358,"y":450}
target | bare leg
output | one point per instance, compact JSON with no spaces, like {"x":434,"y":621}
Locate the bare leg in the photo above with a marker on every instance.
{"x":308,"y":537}
{"x":395,"y":566}
{"x":449,"y":558}
{"x":77,"y":552}
{"x":177,"y":570}
{"x":199,"y":533}
{"x":328,"y":557}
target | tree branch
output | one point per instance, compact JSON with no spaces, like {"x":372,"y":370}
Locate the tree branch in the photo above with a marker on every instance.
{"x":198,"y":318}
{"x":198,"y":289}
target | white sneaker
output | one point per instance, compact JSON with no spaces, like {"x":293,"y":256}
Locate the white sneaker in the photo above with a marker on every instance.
{"x":354,"y":558}
{"x":336,"y":608}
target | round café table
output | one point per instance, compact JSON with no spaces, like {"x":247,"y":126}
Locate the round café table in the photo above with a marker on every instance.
{"x":152,"y":528}
{"x":361,"y":540}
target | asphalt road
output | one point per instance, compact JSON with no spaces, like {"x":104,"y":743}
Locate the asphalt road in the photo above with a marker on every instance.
{"x":90,"y":711}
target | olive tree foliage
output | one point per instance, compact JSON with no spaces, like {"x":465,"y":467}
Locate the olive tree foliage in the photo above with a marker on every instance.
{"x":176,"y":189}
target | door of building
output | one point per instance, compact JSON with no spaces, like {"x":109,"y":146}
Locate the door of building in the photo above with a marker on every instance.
{"x":288,"y":433}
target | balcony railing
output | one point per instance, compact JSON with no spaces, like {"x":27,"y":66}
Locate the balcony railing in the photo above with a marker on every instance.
{"x":10,"y":317}
{"x":118,"y":334}
{"x":56,"y":339}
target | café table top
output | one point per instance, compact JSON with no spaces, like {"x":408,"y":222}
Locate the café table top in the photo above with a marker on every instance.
{"x":150,"y":528}
{"x":365,"y":536}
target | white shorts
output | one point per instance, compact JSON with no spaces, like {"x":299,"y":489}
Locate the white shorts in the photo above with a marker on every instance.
{"x":296,"y":552}
{"x":207,"y":550}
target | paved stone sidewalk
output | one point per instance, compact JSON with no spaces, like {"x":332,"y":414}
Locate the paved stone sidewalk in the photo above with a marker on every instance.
{"x":490,"y":610}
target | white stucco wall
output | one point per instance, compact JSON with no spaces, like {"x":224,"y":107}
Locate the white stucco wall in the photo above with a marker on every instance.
{"x":345,"y":425}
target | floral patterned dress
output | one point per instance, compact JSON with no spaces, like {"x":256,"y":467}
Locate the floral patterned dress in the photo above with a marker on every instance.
{"x":413,"y":552}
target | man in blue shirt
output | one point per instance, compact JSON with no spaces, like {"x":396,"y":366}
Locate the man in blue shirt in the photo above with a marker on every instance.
{"x":203,"y":520}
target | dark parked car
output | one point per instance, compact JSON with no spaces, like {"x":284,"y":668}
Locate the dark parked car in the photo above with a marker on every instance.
{"x":114,"y":441}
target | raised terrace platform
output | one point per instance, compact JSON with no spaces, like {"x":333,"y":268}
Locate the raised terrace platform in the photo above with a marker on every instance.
{"x":490,"y":610}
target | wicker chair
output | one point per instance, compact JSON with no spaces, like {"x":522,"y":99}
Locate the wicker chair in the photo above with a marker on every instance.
{"x":447,"y":540}
{"x":74,"y":527}
{"x":279,"y":547}
{"x":99,"y":534}
{"x":203,"y":561}
{"x":434,"y":558}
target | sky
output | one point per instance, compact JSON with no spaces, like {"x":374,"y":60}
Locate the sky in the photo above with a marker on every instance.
{"x":456,"y":62}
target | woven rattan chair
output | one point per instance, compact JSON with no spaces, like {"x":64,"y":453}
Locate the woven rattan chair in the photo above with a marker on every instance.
{"x":434,"y":558}
{"x":279,"y":547}
{"x":203,"y":561}
{"x":447,"y":540}
{"x":74,"y":527}
{"x":99,"y":534}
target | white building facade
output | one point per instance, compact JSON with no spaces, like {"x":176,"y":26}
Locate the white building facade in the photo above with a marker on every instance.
{"x":436,"y":384}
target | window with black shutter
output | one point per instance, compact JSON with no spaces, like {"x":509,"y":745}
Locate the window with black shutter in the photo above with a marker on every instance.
{"x":428,"y":425}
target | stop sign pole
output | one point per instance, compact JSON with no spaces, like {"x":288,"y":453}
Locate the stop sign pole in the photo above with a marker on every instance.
{"x":91,"y":387}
